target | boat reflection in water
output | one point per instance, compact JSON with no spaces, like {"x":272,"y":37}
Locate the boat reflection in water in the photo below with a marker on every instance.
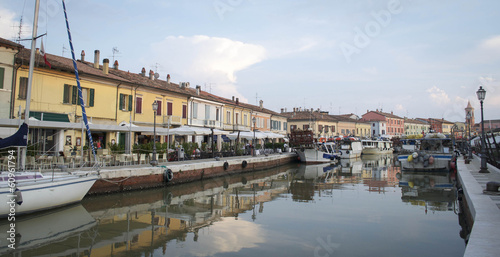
{"x":59,"y":226}
{"x":435,"y":191}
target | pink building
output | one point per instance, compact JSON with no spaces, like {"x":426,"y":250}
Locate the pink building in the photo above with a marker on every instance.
{"x":394,"y":124}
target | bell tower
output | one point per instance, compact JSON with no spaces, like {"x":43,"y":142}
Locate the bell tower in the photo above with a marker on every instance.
{"x":469,"y":115}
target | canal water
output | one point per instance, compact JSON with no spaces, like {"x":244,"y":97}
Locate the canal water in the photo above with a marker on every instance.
{"x":359,"y":208}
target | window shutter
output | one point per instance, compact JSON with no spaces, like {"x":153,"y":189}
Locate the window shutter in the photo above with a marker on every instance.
{"x":130,"y":103}
{"x":91,"y":99}
{"x":121,"y":102}
{"x":169,"y":108}
{"x":74,"y":95}
{"x":2,"y":71}
{"x":66,"y":94}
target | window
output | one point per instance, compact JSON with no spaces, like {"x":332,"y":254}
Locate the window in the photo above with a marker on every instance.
{"x":169,"y":108}
{"x":293,"y":127}
{"x":245,"y":119}
{"x":2,"y":72}
{"x":70,"y":95}
{"x":184,"y":111}
{"x":285,"y":125}
{"x":207,"y":112}
{"x":217,"y":114}
{"x":23,"y":87}
{"x":125,"y":102}
{"x":228,"y":117}
{"x":333,"y":128}
{"x":138,"y":104}
{"x":195,"y":110}
{"x":158,"y":111}
{"x":320,"y":128}
{"x":305,"y":127}
{"x":237,"y":119}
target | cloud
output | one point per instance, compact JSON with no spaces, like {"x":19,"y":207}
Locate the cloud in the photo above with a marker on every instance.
{"x":371,"y":70}
{"x":207,"y":59}
{"x":438,"y":96}
{"x":488,"y":50}
{"x":9,"y":27}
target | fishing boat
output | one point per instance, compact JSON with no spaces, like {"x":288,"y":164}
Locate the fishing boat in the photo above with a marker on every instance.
{"x":376,"y":146}
{"x":348,"y":147}
{"x":310,"y":151}
{"x":22,"y":191}
{"x":432,"y":153}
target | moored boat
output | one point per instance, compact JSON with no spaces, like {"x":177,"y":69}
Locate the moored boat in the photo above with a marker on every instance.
{"x":432,"y":153}
{"x":309,"y":151}
{"x":27,"y":192}
{"x":376,"y":146}
{"x":349,"y":147}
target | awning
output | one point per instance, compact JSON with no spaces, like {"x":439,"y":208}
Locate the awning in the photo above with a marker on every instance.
{"x":49,"y":116}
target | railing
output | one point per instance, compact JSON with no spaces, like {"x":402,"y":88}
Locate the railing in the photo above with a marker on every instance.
{"x":236,"y":127}
{"x":206,"y":123}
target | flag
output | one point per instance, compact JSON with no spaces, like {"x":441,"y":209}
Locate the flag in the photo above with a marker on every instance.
{"x":42,"y":52}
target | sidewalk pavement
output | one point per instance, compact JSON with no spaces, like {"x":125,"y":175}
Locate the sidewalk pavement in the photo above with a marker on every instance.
{"x":484,"y":239}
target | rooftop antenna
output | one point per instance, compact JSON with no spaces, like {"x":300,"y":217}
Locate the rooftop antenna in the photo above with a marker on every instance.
{"x":115,"y":53}
{"x":64,"y":49}
{"x":209,"y":87}
{"x":18,"y":39}
{"x":257,"y":99}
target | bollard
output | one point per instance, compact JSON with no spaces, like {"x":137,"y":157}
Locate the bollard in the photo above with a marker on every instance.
{"x":492,"y":186}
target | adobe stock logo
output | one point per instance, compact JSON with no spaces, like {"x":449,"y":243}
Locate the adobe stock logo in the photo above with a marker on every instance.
{"x":372,"y":28}
{"x":325,"y":248}
{"x":223,"y":6}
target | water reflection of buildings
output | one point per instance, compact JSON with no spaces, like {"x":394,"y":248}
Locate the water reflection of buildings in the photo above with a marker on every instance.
{"x":142,"y":222}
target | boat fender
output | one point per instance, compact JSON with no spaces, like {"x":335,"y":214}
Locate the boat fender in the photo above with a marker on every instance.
{"x":410,"y":158}
{"x":244,"y":164}
{"x":168,"y":175}
{"x":347,"y":152}
{"x":431,"y":160}
{"x":226,"y":165}
{"x":426,"y":163}
{"x":19,"y":196}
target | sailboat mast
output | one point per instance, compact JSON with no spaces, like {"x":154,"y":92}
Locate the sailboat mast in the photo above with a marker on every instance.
{"x":30,"y":79}
{"x":32,"y":62}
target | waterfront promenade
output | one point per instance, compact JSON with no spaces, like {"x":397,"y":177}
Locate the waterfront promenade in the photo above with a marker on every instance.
{"x":484,"y":238}
{"x":130,"y":177}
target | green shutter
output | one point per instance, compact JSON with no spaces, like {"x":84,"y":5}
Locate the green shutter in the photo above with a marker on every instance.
{"x":91,"y":100}
{"x":74,"y":95}
{"x":121,"y":102}
{"x":130,"y":102}
{"x":65,"y":94}
{"x":2,"y":71}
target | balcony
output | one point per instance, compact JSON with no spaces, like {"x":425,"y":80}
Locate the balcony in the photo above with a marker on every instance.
{"x":236,"y":127}
{"x":206,"y":123}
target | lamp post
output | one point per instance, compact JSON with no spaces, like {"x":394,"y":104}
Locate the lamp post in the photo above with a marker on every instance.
{"x":254,"y":120}
{"x":481,"y":93}
{"x":469,"y":120}
{"x":154,"y":162}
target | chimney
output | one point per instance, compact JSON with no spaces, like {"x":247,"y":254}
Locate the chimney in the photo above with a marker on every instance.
{"x":282,"y":110}
{"x":261,"y":104}
{"x":233,"y":98}
{"x":168,"y":78}
{"x":83,"y":56}
{"x":198,"y":89}
{"x":151,"y":75}
{"x":143,"y":72}
{"x":392,"y":113}
{"x":237,"y":100}
{"x":105,"y":66}
{"x":96,"y":59}
{"x":115,"y":65}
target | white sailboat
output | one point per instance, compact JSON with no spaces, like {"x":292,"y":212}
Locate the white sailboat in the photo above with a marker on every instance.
{"x":23,"y":192}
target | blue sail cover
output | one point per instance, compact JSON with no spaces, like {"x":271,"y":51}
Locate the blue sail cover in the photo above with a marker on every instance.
{"x":20,"y":138}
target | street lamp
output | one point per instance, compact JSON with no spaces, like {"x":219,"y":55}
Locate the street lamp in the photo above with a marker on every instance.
{"x":481,"y":93}
{"x":254,"y":120}
{"x":154,"y":162}
{"x":469,"y":120}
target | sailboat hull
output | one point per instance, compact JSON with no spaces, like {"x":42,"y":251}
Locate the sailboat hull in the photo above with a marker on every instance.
{"x":43,"y":194}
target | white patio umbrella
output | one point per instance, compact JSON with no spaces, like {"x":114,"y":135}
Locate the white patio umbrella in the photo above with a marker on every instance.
{"x":187,"y":131}
{"x":249,"y":135}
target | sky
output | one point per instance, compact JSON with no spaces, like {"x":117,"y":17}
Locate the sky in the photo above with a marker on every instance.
{"x":415,"y":58}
